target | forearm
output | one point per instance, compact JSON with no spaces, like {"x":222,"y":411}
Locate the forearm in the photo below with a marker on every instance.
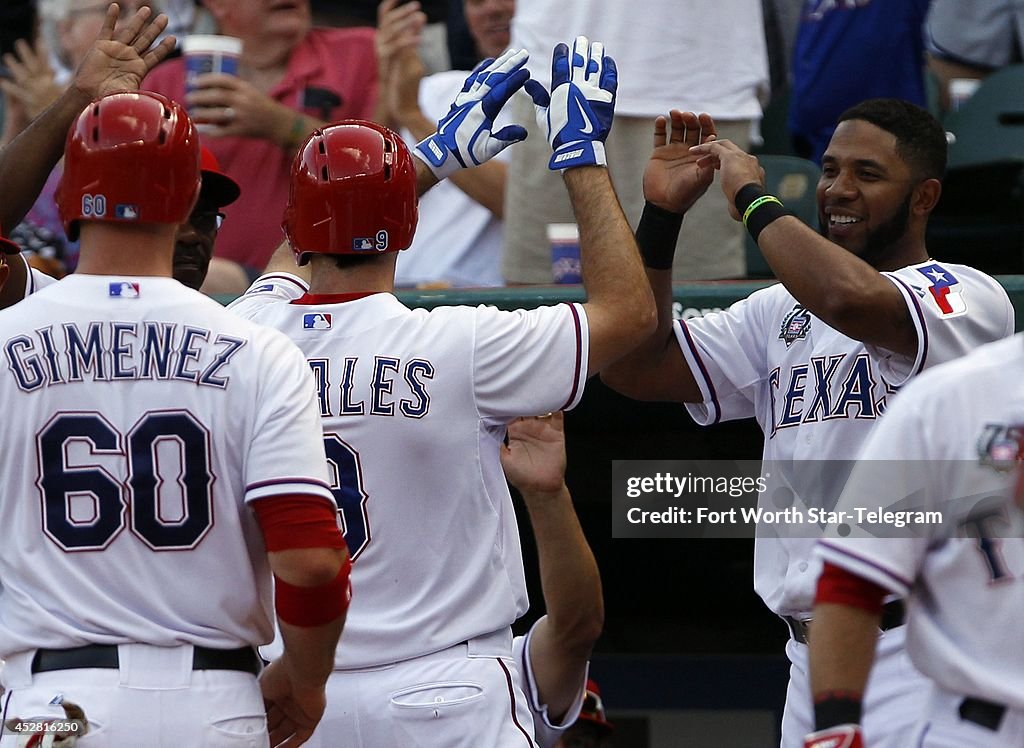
{"x":26,"y":162}
{"x":564,"y":638}
{"x":835,"y":285}
{"x":292,"y":128}
{"x":620,"y":304}
{"x":309,"y":640}
{"x":569,"y":576}
{"x":655,"y":370}
{"x":309,"y":651}
{"x":484,"y":183}
{"x":842,"y":648}
{"x":283,"y":261}
{"x":425,"y":178}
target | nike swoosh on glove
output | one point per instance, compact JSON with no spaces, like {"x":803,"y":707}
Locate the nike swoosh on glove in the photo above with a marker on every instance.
{"x":464,"y":136}
{"x":578,"y":113}
{"x":840,"y":736}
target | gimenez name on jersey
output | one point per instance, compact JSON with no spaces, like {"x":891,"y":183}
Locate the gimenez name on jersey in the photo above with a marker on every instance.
{"x":115,"y":351}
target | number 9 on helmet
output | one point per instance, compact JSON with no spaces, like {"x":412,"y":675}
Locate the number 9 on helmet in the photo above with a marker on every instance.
{"x":353,"y":192}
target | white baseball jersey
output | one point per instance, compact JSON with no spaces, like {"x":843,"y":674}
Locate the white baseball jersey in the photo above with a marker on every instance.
{"x":954,"y":436}
{"x":35,"y":280}
{"x":816,"y":393}
{"x":547,"y":733}
{"x":414,"y":405}
{"x":140,"y":418}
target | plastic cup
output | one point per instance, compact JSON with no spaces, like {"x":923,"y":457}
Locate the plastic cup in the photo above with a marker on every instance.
{"x":565,"y":252}
{"x":209,"y":53}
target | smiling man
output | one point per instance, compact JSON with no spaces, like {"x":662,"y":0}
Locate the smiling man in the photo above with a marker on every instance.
{"x":860,"y":309}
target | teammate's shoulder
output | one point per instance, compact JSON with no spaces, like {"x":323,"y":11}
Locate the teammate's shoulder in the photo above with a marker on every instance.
{"x":272,"y":288}
{"x":1002,"y":358}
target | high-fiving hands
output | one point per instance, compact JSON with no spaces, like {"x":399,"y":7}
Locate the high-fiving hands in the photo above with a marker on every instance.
{"x":577,"y":115}
{"x":464,"y":135}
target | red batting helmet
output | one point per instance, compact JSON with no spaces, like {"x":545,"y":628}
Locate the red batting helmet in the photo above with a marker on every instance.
{"x":129,"y":157}
{"x":353,"y":191}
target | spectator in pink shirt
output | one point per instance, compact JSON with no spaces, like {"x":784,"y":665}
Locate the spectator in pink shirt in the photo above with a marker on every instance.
{"x":292,"y":79}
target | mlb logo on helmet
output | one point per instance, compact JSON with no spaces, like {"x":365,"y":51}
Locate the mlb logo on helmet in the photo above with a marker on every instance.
{"x":316,"y":321}
{"x":360,"y":244}
{"x":124,"y":289}
{"x":127,"y":212}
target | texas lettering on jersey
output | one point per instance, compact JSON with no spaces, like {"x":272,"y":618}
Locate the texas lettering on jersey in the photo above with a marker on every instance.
{"x":828,"y":388}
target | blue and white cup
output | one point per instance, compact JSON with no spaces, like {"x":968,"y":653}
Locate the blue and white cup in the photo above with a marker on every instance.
{"x":209,"y":53}
{"x":565,"y":252}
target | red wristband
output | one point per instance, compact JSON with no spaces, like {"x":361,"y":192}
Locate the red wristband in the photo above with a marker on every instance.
{"x":313,"y":606}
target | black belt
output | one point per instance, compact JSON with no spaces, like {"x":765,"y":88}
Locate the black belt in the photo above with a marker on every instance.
{"x":243,"y":659}
{"x":983,"y":713}
{"x":893,"y":615}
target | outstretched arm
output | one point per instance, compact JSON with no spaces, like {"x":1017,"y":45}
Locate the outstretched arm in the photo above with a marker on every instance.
{"x":118,"y":61}
{"x":577,"y":116}
{"x":673,"y":182}
{"x":835,"y":285}
{"x":561,"y":643}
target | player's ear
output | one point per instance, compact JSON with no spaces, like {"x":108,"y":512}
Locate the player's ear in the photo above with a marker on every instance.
{"x":5,"y":271}
{"x":926,"y":196}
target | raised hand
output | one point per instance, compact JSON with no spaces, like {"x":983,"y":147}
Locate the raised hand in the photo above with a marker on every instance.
{"x":118,"y":61}
{"x":32,"y":85}
{"x":737,"y":168}
{"x":464,"y":136}
{"x":674,"y":179}
{"x":534,"y":458}
{"x":578,"y":116}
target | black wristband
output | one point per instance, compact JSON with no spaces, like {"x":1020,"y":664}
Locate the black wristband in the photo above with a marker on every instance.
{"x":837,"y":709}
{"x":757,"y":208}
{"x":747,"y":194}
{"x":656,"y":235}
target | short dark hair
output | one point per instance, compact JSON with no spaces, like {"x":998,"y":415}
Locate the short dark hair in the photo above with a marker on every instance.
{"x":920,"y":139}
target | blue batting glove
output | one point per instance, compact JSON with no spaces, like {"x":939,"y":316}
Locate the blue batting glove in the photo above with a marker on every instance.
{"x":464,"y":136}
{"x":578,"y":116}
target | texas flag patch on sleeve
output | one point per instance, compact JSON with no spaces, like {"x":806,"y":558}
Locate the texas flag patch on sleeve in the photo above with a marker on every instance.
{"x":945,"y":290}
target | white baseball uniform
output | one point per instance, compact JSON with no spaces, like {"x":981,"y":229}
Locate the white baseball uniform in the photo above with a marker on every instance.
{"x":816,"y":393}
{"x":414,"y":405}
{"x":544,"y":726}
{"x":951,"y":441}
{"x":140,"y":419}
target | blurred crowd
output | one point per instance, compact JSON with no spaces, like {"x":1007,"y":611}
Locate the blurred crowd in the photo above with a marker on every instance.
{"x":305,"y":63}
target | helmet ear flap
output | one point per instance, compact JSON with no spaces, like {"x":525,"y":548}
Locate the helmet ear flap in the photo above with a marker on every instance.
{"x":130,"y":157}
{"x":352,"y":192}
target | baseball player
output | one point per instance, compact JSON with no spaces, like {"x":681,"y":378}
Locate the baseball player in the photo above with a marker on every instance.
{"x":193,"y":243}
{"x":860,"y":309}
{"x":153,"y":439}
{"x":951,"y":441}
{"x":553,"y":656}
{"x":415,"y":403}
